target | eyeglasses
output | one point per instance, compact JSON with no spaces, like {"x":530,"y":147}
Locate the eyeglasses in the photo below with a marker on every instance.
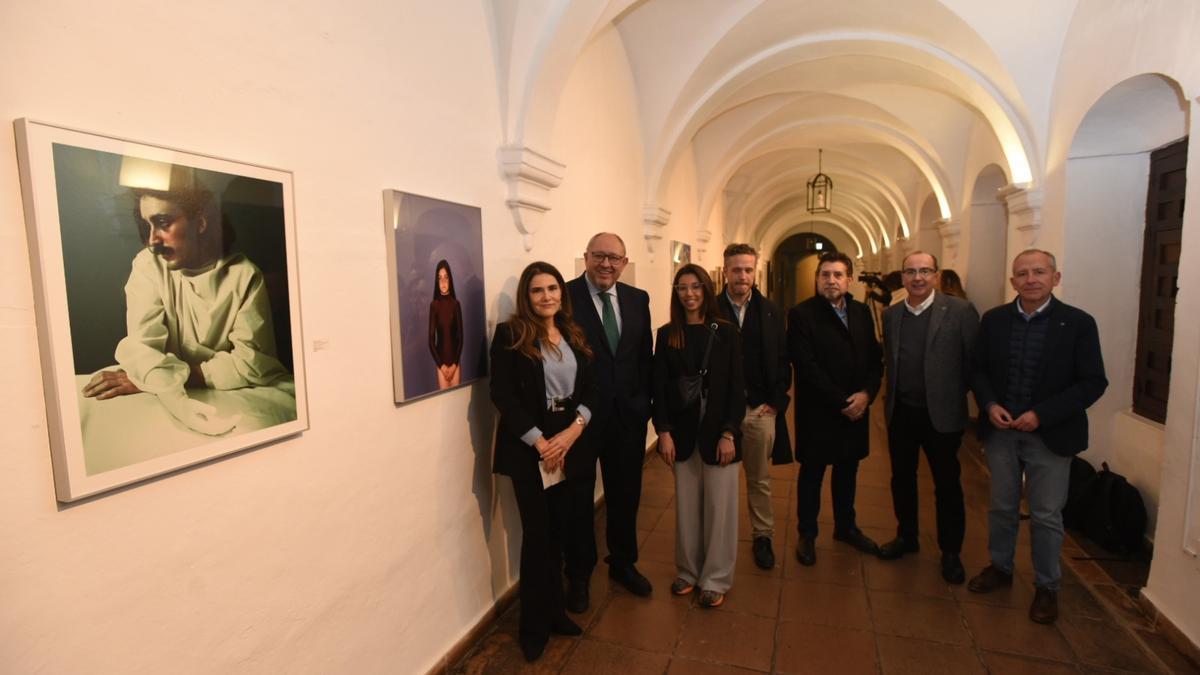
{"x":684,"y":288}
{"x":612,"y":258}
{"x":923,"y":272}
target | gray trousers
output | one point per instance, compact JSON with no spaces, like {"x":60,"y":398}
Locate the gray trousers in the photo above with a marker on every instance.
{"x":706,"y":522}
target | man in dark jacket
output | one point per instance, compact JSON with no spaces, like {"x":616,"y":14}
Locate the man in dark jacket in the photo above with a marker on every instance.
{"x":831,"y":339}
{"x":615,"y":317}
{"x":1037,"y":370}
{"x":768,"y":378}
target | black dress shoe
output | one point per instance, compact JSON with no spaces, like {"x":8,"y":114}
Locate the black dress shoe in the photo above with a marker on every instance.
{"x":631,"y":579}
{"x":565,"y":626}
{"x":806,"y":551}
{"x":952,"y":569}
{"x":578,"y":597}
{"x":990,"y":579}
{"x":532,"y":647}
{"x":1045,"y":606}
{"x":764,"y":556}
{"x":858,"y":540}
{"x":898,"y":547}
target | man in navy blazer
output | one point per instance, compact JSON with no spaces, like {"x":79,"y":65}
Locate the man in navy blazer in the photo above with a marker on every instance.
{"x":1037,"y":370}
{"x":616,"y":319}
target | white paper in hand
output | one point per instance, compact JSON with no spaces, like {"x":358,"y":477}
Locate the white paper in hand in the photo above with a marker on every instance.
{"x":551,"y":478}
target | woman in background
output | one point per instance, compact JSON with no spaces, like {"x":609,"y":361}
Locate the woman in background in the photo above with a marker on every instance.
{"x":950,"y":284}
{"x":445,"y":328}
{"x":700,"y":439}
{"x":543,"y":386}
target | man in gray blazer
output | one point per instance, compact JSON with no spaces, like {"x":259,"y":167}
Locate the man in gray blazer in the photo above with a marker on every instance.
{"x":928,"y":342}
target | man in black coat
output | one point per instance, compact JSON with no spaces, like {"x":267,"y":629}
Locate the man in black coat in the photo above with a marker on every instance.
{"x":768,"y":379}
{"x":1037,"y":370}
{"x":838,"y":362}
{"x":616,"y":319}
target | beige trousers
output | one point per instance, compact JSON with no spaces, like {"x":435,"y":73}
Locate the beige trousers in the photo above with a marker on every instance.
{"x":758,"y":439}
{"x":706,"y":522}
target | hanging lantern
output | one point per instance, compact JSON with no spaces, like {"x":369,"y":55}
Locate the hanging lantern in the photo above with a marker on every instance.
{"x":820,"y":191}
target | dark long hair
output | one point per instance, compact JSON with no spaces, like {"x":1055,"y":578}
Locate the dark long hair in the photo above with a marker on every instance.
{"x":449,"y":277}
{"x":527,"y":327}
{"x":950,"y":284}
{"x":708,"y":306}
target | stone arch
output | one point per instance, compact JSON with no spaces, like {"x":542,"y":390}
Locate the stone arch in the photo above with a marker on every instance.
{"x":985,"y":262}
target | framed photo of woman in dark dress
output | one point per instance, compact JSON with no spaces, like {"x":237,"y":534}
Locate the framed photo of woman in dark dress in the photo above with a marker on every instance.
{"x":435,"y":275}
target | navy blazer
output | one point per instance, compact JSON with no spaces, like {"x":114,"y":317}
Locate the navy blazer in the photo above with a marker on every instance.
{"x":518,"y":389}
{"x":1070,"y":379}
{"x":622,"y":378}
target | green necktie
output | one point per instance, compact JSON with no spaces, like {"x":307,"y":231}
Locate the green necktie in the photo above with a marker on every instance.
{"x":609,"y":318}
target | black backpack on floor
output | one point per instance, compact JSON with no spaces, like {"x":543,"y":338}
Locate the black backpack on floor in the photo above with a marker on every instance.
{"x":1115,"y":515}
{"x":1082,"y":475}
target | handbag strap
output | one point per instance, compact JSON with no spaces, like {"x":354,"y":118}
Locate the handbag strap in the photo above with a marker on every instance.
{"x":712,"y":330}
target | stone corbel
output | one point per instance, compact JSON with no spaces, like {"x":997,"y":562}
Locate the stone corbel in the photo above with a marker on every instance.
{"x":1024,"y":208}
{"x":530,"y":176}
{"x":950,"y":233}
{"x":654,"y":221}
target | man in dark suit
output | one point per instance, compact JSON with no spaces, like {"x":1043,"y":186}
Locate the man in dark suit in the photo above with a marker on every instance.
{"x":616,"y":319}
{"x":768,"y":379}
{"x":1037,"y":369}
{"x":831,"y":339}
{"x":928,"y":340}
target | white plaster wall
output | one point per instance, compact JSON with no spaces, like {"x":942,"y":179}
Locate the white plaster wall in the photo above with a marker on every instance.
{"x":1106,"y":217}
{"x":374,"y":541}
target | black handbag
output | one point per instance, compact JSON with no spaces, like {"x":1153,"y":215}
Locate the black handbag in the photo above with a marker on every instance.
{"x":689,"y":389}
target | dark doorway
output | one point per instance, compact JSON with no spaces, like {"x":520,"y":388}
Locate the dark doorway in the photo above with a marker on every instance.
{"x":787,"y":288}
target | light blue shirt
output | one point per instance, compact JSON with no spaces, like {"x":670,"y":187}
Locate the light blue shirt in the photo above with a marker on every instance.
{"x":560,"y":383}
{"x":1039,"y":310}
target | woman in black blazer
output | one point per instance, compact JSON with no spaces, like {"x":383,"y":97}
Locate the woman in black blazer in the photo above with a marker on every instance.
{"x":542,"y":385}
{"x":701,"y":441}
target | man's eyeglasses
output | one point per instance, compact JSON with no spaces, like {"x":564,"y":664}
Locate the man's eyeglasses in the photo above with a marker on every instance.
{"x":612,"y":258}
{"x":923,"y":272}
{"x":684,"y":288}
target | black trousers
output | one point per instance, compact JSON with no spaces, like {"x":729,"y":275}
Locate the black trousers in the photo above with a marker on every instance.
{"x":808,"y":496}
{"x":622,"y":452}
{"x":541,"y":588}
{"x":910,"y":431}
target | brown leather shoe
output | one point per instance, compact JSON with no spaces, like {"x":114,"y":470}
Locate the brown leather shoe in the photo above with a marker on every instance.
{"x":1045,"y":606}
{"x":990,"y":579}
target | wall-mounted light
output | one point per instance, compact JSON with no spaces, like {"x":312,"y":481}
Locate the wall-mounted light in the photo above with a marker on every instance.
{"x":820,"y":190}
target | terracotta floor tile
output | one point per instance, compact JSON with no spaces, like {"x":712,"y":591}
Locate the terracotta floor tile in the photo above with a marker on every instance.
{"x":910,"y":574}
{"x":1167,"y":653}
{"x":658,"y":547}
{"x":831,"y":568}
{"x":821,"y":650}
{"x":1128,"y":608}
{"x":754,"y":594}
{"x":904,"y":656}
{"x":866,"y":495}
{"x":648,"y":624}
{"x":601,"y":658}
{"x":916,"y":616}
{"x":657,"y":497}
{"x":881,"y":517}
{"x":1009,"y":630}
{"x":1103,"y":643}
{"x":500,"y":654}
{"x":825,"y":604}
{"x":1007,"y":664}
{"x":660,"y":575}
{"x":729,"y":638}
{"x":1018,"y":596}
{"x":680,"y":666}
{"x":1077,"y":600}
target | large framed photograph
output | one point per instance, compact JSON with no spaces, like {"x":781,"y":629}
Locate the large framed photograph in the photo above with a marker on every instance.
{"x":167,"y":299}
{"x":435,"y":287}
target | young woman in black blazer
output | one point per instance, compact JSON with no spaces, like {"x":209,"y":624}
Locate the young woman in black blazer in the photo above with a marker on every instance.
{"x":701,"y":441}
{"x":542,"y":385}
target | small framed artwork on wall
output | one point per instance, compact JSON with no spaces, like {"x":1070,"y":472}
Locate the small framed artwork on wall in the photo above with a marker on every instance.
{"x":437,"y":300}
{"x":167,"y":299}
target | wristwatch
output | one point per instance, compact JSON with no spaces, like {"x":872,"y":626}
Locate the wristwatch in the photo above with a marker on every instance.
{"x":579,"y":420}
{"x":726,"y":434}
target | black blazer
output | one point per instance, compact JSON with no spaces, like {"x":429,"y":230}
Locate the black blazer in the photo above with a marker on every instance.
{"x":518,"y":389}
{"x":623,"y":378}
{"x":832,"y":362}
{"x":776,"y":370}
{"x":726,"y":396}
{"x":1071,"y":376}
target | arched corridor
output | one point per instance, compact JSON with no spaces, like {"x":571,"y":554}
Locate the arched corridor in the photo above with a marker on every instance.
{"x":371,"y":535}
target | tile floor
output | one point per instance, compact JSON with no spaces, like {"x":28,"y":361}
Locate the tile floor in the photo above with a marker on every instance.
{"x":850,"y":613}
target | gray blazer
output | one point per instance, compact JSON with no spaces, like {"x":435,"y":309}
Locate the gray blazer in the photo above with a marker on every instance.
{"x":948,"y":348}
